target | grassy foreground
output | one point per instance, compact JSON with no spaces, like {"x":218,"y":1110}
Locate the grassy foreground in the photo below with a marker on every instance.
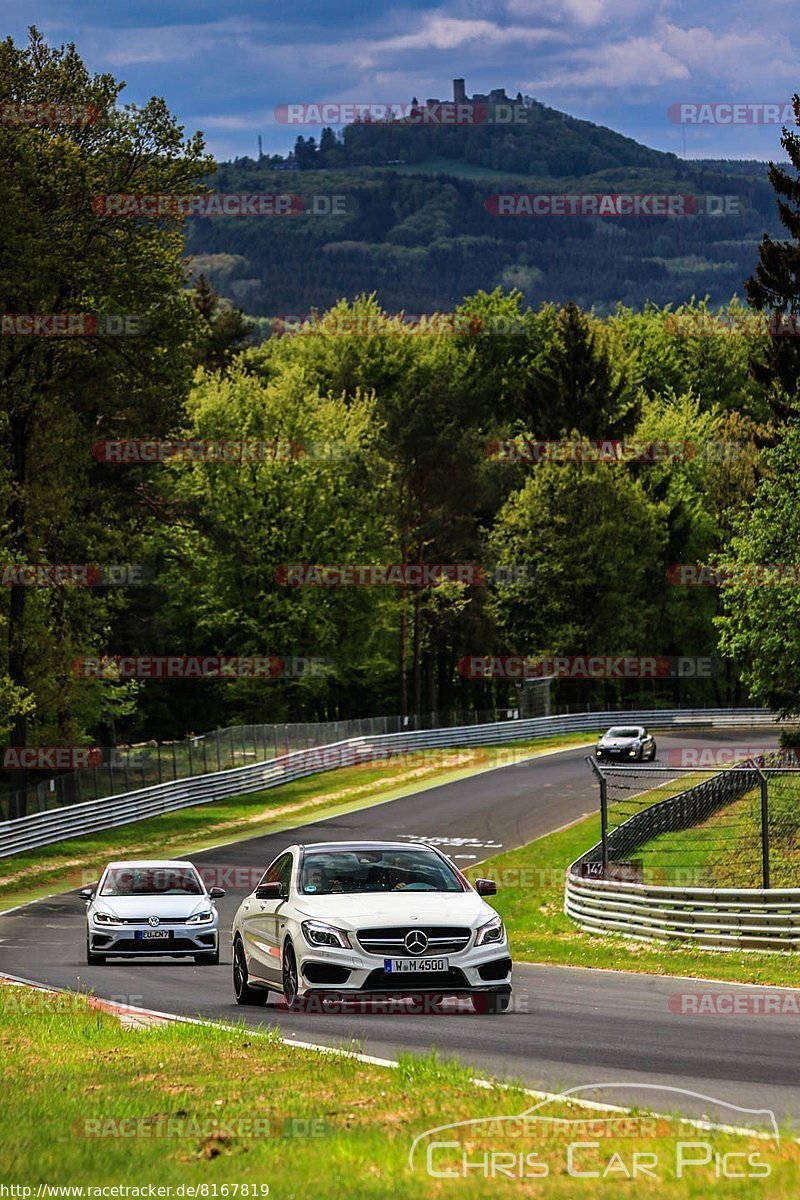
{"x":91,"y":1104}
{"x":531,"y":902}
{"x":74,"y":863}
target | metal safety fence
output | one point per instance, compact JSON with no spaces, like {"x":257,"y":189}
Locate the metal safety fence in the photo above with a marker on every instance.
{"x":712,"y":858}
{"x":79,"y":817}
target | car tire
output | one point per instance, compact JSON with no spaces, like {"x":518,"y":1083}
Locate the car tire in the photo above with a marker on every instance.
{"x":210,"y":959}
{"x":491,"y":1002}
{"x":94,"y":960}
{"x":655,"y":752}
{"x":244,"y":993}
{"x":290,"y":977}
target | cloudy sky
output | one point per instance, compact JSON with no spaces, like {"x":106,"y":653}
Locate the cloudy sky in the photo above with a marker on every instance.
{"x":225,"y":66}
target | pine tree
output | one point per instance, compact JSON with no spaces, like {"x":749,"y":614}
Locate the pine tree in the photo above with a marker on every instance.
{"x":227,"y":328}
{"x":775,"y":286}
{"x":574,"y":384}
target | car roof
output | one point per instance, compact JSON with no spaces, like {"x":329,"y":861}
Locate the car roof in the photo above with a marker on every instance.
{"x":371,"y":845}
{"x":151,"y":862}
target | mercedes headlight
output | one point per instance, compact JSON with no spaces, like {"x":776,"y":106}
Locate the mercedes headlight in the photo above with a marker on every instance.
{"x":317,"y":933}
{"x":492,"y":931}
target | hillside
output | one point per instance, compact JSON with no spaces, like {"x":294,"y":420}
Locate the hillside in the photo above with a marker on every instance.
{"x":421,"y":230}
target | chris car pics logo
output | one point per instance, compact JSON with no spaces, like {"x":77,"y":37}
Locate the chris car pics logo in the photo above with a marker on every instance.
{"x":602,"y":1142}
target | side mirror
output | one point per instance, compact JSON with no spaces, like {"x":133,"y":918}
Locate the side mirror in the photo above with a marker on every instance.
{"x":486,"y":887}
{"x":216,"y":893}
{"x":269,"y":891}
{"x":87,"y":893}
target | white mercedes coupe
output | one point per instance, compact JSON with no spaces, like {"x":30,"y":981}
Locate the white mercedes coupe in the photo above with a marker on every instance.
{"x":366,"y":918}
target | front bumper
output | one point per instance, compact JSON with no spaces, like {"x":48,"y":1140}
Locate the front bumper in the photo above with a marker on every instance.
{"x":631,"y":753}
{"x":484,"y":968}
{"x":121,"y":940}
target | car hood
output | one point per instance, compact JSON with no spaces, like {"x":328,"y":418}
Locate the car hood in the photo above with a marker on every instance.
{"x":375,"y":909}
{"x":152,"y":906}
{"x":618,"y":743}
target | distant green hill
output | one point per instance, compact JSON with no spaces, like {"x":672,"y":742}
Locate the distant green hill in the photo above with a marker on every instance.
{"x":419,"y":227}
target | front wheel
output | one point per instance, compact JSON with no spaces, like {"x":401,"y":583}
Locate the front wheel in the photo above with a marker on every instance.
{"x":491,"y":1002}
{"x":241,"y":979}
{"x":654,"y":753}
{"x":289,"y":975}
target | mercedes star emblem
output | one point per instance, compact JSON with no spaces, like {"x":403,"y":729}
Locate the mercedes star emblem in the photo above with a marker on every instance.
{"x":416,"y":941}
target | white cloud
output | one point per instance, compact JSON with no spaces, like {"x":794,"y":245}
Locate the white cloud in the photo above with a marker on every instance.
{"x":736,"y":56}
{"x":439,"y":32}
{"x":637,"y":61}
{"x":587,"y":14}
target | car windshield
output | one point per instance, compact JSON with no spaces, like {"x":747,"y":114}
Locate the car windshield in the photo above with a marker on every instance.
{"x":623,"y":732}
{"x":151,"y":881}
{"x":326,"y":873}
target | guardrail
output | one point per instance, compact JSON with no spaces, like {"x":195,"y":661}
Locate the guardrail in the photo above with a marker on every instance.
{"x":715,"y":918}
{"x":42,"y":829}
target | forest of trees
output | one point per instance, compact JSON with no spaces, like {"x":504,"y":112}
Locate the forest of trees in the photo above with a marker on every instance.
{"x":421,"y":242}
{"x":392,"y":432}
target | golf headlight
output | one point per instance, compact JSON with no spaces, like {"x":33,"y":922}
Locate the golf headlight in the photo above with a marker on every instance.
{"x":492,"y":931}
{"x":102,"y":918}
{"x":317,"y":933}
{"x":201,"y":918}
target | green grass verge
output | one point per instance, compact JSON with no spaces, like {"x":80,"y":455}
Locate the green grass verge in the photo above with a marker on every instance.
{"x":88,"y":1103}
{"x":73,"y":863}
{"x":531,"y":902}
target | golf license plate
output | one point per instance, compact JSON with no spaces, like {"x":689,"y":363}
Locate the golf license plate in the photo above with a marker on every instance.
{"x":396,"y":966}
{"x":148,"y":935}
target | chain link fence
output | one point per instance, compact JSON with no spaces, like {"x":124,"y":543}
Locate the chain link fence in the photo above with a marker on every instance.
{"x":738,"y":827}
{"x":128,"y":768}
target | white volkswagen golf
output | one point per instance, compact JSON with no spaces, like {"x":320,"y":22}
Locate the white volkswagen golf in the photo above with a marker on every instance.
{"x":369,"y":917}
{"x":143,"y":908}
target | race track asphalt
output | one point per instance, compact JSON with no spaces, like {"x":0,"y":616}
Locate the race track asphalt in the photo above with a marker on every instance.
{"x":567,"y":1027}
